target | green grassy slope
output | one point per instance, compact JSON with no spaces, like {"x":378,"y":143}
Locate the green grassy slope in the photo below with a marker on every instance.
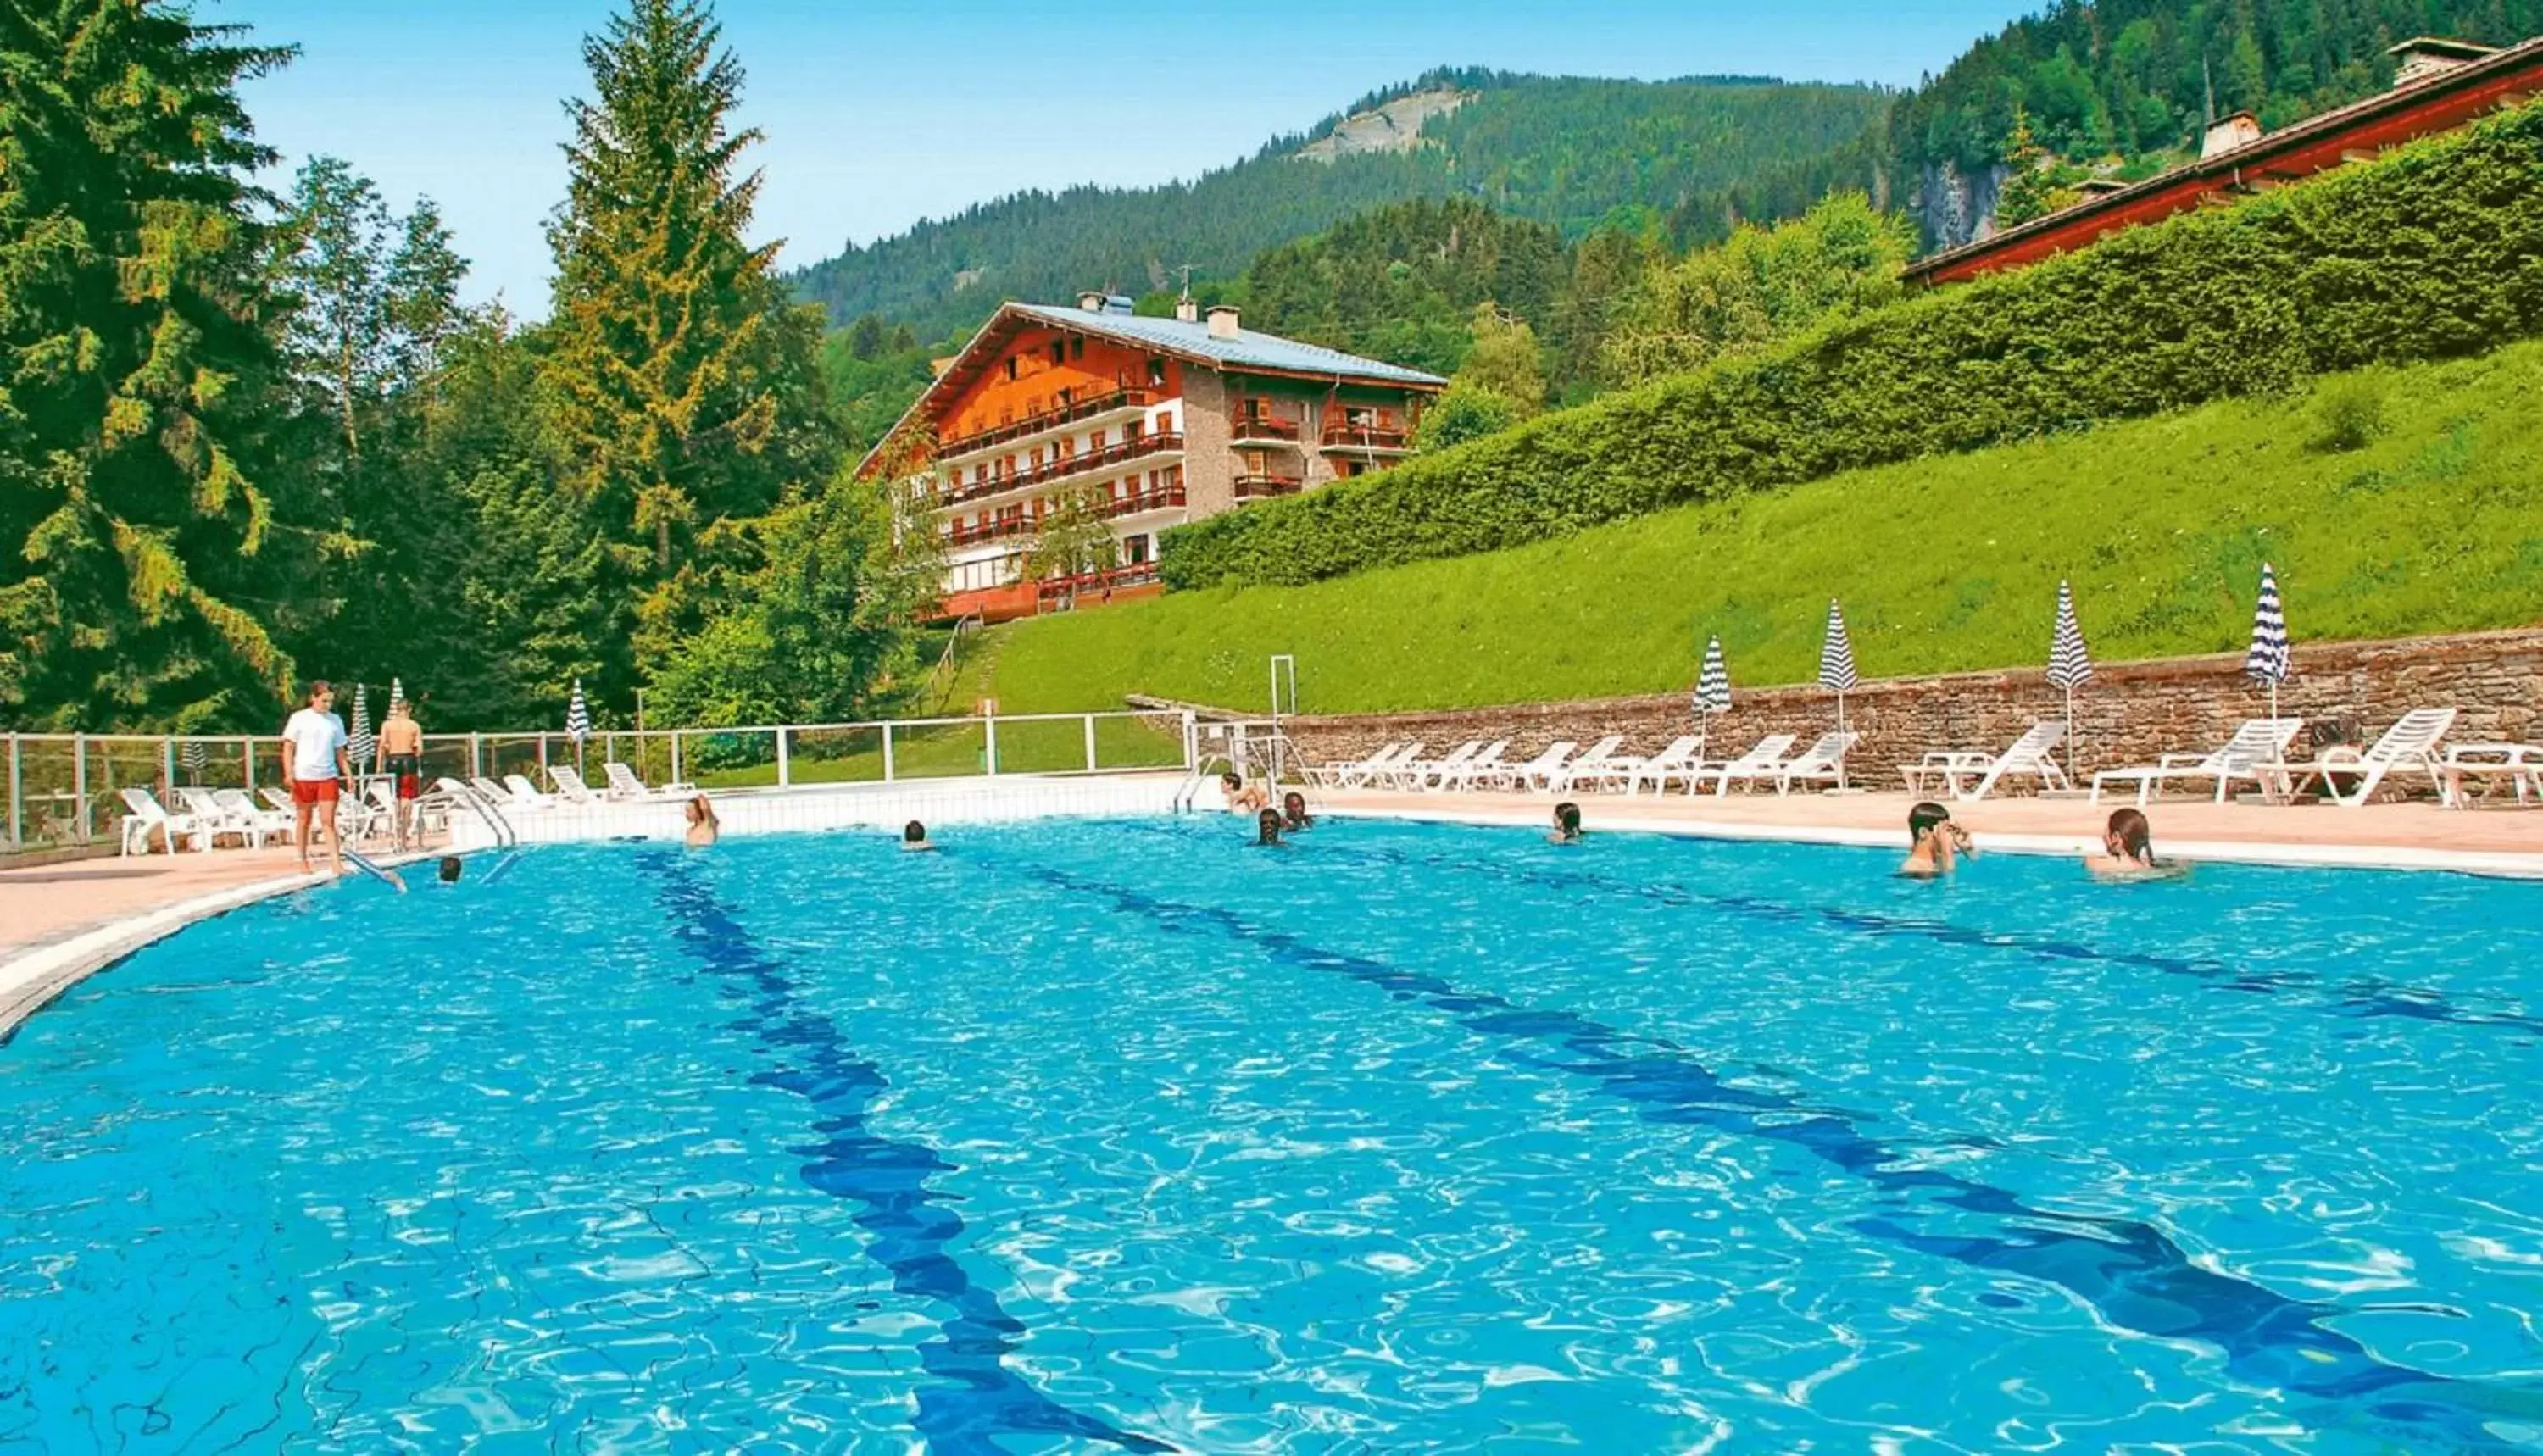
{"x":1943,"y":564}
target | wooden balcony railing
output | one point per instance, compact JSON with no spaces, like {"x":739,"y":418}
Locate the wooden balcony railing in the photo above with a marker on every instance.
{"x":1123,"y":397}
{"x":1165,"y":499}
{"x":1366,"y":438}
{"x":1263,"y":487}
{"x":1245,"y":427}
{"x":1137,"y":573}
{"x":1065,"y":466}
{"x":969,"y":533}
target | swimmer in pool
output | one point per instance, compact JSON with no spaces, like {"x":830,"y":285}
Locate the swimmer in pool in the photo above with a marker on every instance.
{"x":1242,"y":800}
{"x":913,"y":838}
{"x":1293,"y":811}
{"x":1936,"y":845}
{"x":2127,"y":852}
{"x":1567,"y":824}
{"x":1266,"y":827}
{"x":703,"y":827}
{"x":447,"y":872}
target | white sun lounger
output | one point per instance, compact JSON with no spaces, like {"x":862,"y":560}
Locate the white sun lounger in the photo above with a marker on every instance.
{"x":1414,"y":773}
{"x":1628,"y":769}
{"x":265,"y":823}
{"x":1758,"y":763}
{"x":2411,"y":744}
{"x":2469,"y":766}
{"x":147,"y":815}
{"x":1823,"y":762}
{"x":1536,"y":769}
{"x":525,"y":795}
{"x":568,"y":782}
{"x":623,"y":784}
{"x":1943,"y":774}
{"x":1350,"y":772}
{"x":1462,"y":776}
{"x":1591,"y":759}
{"x":2256,"y":753}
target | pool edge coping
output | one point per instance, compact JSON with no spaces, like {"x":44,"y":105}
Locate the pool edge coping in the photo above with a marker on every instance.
{"x":36,"y":978}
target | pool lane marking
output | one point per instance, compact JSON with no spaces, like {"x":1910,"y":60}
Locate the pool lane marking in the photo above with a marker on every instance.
{"x":979,"y":1398}
{"x":2129,"y":1271}
{"x":2360,"y":999}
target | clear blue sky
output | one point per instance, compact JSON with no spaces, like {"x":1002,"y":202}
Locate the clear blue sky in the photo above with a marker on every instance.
{"x":881,"y":112}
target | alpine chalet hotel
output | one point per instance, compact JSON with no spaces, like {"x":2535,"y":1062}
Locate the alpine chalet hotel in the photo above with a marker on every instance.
{"x":1166,"y":420}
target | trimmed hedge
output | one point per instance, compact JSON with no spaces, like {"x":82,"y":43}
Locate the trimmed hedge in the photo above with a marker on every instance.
{"x":2433,"y":251}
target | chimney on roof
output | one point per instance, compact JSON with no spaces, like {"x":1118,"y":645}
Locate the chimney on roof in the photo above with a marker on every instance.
{"x":1091,"y":301}
{"x":2240,"y":129}
{"x":1187,"y":309}
{"x":2424,"y":56}
{"x":1222,"y":321}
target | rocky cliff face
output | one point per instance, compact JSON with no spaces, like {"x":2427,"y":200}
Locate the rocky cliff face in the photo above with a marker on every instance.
{"x":1951,"y":208}
{"x":1393,"y":128}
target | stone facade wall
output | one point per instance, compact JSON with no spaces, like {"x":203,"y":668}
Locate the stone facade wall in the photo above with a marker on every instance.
{"x":1210,"y":470}
{"x":2130,"y":713}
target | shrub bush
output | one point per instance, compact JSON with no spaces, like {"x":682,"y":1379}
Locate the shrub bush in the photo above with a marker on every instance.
{"x":2433,"y":251}
{"x":2347,"y":416}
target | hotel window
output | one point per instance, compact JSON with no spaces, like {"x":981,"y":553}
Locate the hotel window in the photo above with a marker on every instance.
{"x":1067,"y":447}
{"x":1130,"y":432}
{"x":1156,"y":371}
{"x":1135,"y":551}
{"x":1059,"y":352}
{"x":1174,"y":477}
{"x":1036,"y":457}
{"x":1011,"y":367}
{"x":1077,"y":348}
{"x":1256,"y":463}
{"x":1094,"y":441}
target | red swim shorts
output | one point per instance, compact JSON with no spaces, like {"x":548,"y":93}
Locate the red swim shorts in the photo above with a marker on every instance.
{"x":410,"y":786}
{"x":313,"y":791}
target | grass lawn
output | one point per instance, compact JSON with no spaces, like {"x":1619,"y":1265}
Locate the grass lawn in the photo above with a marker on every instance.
{"x":856,"y":756}
{"x":1944,"y":564}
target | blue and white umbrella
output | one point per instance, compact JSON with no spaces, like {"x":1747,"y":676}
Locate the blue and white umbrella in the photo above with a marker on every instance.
{"x":2069,"y":666}
{"x":1712,"y":690}
{"x":359,"y":744}
{"x":397,"y":692}
{"x":197,"y":757}
{"x":1836,"y":659}
{"x":578,"y":717}
{"x":2268,"y":661}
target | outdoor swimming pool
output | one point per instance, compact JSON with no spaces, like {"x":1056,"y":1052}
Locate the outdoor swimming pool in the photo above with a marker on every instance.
{"x":1402,"y":1137}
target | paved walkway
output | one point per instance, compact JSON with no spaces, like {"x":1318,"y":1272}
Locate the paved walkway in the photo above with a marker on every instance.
{"x":46,"y":903}
{"x":2500,"y":841}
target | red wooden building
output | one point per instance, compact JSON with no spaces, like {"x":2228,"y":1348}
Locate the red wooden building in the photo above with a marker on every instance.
{"x":2443,"y":85}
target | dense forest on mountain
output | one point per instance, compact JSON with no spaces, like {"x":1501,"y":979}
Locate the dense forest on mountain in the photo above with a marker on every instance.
{"x":2135,"y":78}
{"x":1567,"y":151}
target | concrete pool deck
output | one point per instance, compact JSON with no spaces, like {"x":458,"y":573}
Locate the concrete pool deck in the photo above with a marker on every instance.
{"x":2393,"y":836}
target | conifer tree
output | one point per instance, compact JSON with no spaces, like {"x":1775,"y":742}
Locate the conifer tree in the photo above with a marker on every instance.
{"x":680,"y":385}
{"x":151,"y":547}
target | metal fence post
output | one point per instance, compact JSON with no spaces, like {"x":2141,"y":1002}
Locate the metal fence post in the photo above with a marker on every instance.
{"x":990,"y":756}
{"x":886,"y":752}
{"x":785,"y":769}
{"x":1191,"y":743}
{"x":1090,"y":743}
{"x":79,"y":784}
{"x":675,"y":757}
{"x":247,"y":765}
{"x":16,"y":822}
{"x":475,"y":756}
{"x":168,"y":765}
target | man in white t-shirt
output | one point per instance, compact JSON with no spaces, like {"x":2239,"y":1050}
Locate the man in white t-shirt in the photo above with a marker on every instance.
{"x":314,"y":766}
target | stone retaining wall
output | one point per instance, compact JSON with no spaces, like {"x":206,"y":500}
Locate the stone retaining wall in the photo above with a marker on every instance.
{"x":2130,"y":713}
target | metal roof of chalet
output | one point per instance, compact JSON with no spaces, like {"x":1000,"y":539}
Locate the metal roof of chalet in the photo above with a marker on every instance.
{"x":1247,"y":350}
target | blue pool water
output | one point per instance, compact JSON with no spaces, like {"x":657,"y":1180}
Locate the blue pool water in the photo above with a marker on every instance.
{"x":1127,"y":1136}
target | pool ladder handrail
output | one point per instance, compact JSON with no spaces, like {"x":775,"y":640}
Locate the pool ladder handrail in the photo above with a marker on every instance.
{"x":506,"y":837}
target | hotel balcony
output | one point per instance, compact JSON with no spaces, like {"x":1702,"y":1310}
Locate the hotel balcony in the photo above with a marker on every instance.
{"x":1371,"y":440}
{"x":1076,"y":411}
{"x":1137,"y":573}
{"x":973,"y":533}
{"x":1171,"y":497}
{"x":1118,"y":453}
{"x":1263,"y":429}
{"x":1265,"y":486}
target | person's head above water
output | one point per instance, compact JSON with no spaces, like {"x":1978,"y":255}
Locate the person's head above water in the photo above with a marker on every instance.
{"x":449,"y":868}
{"x":1922,"y":820}
{"x":1293,"y":807}
{"x":1566,"y":819}
{"x":1266,"y":827}
{"x":1231,"y":780}
{"x":2129,"y":837}
{"x":700,"y":811}
{"x":913,"y":832}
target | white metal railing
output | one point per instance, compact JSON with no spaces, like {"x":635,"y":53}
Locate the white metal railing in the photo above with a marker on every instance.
{"x":65,"y":789}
